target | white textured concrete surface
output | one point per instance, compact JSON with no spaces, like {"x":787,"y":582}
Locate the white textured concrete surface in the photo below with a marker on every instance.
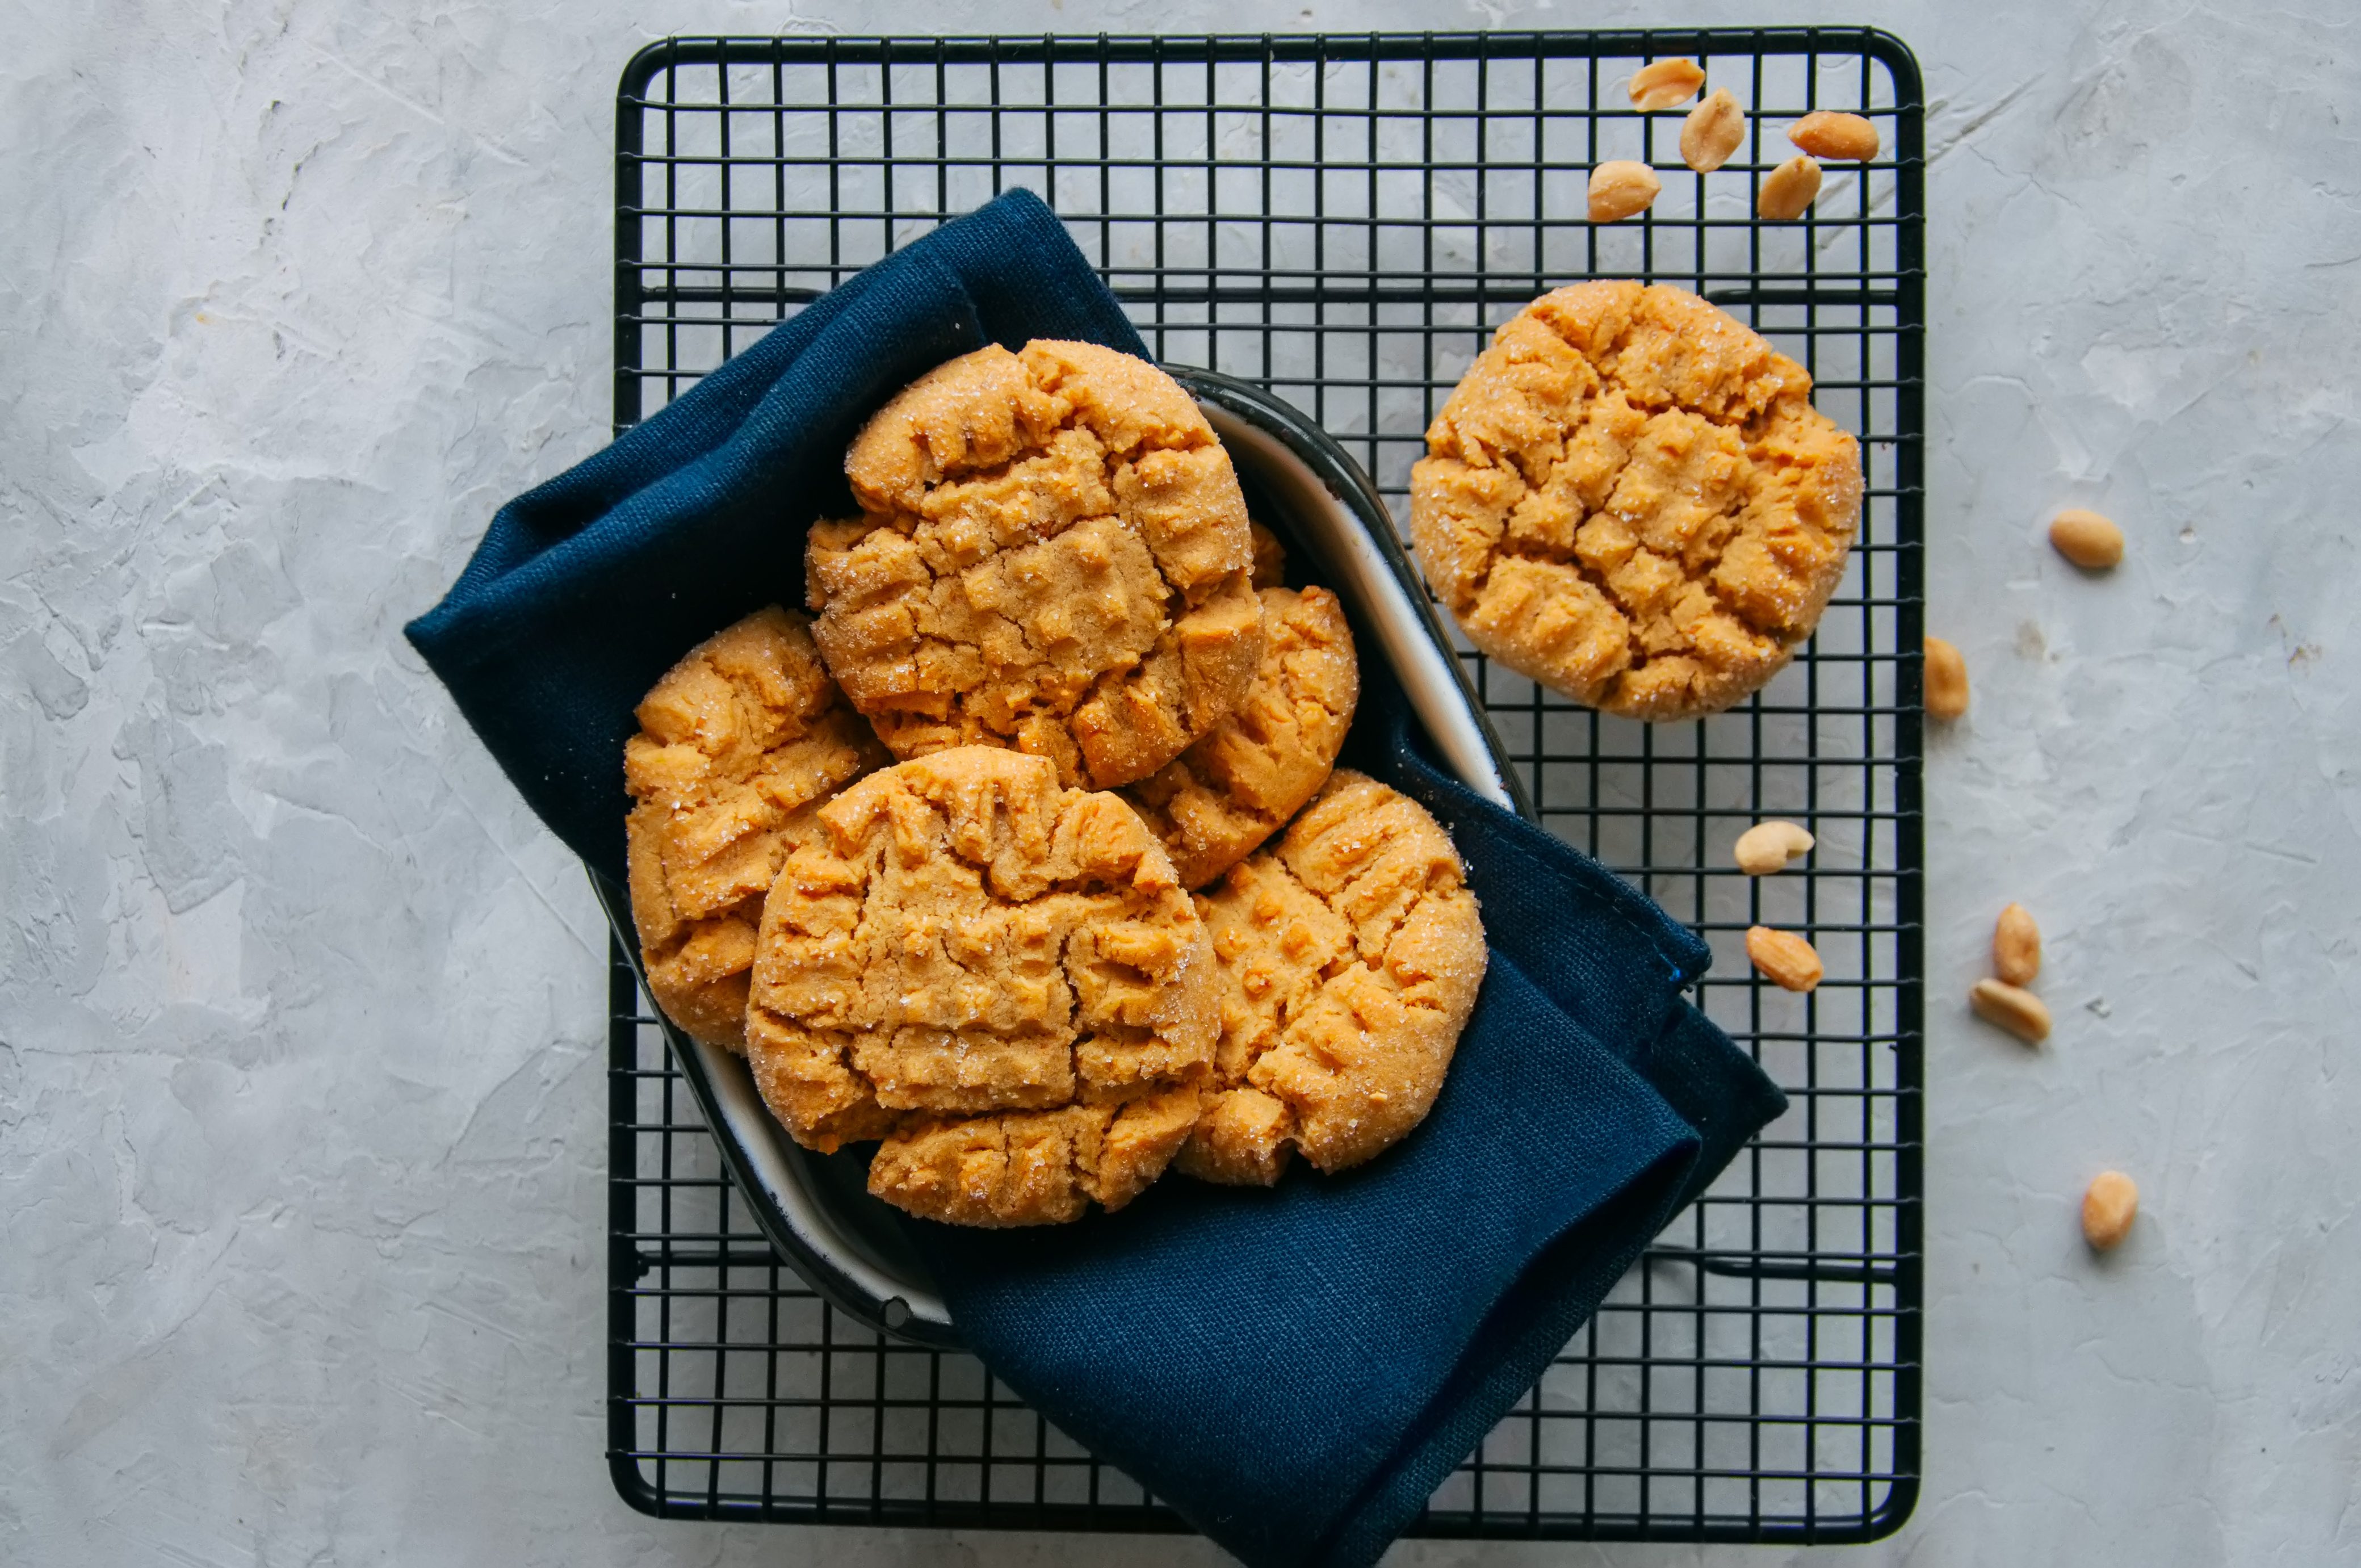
{"x":301,"y":1157}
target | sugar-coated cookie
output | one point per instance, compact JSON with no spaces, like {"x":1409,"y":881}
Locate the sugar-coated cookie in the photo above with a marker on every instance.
{"x":1349,"y":955}
{"x":1631,"y":498}
{"x":1032,"y":1168}
{"x":968,"y":938}
{"x":736,"y":742}
{"x":1218,"y":802}
{"x":1052,"y":556}
{"x":1270,"y":569}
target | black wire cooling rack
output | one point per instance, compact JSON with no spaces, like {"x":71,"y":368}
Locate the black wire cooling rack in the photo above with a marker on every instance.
{"x":1344,"y":219}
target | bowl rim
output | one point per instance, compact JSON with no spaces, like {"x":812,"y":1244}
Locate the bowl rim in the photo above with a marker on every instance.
{"x":866,"y":1270}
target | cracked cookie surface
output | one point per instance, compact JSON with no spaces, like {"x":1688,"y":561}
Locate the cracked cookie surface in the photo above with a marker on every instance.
{"x":1631,"y":498}
{"x":999,"y":976}
{"x":736,"y":743}
{"x":1032,"y":1168}
{"x":1218,"y":802}
{"x":1053,"y":556}
{"x":1350,"y":954}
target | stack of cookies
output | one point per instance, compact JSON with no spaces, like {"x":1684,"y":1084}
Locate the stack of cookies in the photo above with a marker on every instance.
{"x":1027,"y":856}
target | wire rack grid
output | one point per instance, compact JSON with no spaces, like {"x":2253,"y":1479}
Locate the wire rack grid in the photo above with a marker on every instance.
{"x":1344,"y":219}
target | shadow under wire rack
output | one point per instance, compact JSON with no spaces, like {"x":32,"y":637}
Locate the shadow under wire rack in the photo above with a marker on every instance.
{"x":1344,"y":219}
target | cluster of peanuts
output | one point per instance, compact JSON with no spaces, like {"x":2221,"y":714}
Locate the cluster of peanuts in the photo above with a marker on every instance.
{"x":2095,"y":545}
{"x":1623,"y":188}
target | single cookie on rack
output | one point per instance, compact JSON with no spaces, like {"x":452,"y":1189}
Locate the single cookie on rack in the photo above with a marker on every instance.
{"x":1350,"y":954}
{"x":1053,"y":556}
{"x":999,"y":976}
{"x":1631,"y":498}
{"x":736,"y":743}
{"x":1218,"y":802}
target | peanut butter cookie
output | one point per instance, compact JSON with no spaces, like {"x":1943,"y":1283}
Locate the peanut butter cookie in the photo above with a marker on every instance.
{"x":1350,"y":956}
{"x":1218,"y":802}
{"x":968,"y":939}
{"x":1052,"y":556}
{"x":1032,"y":1168}
{"x":1270,"y":569}
{"x":735,"y":744}
{"x":1631,"y":498}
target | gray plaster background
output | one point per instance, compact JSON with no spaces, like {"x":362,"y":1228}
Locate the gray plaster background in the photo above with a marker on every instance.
{"x":301,"y":1161}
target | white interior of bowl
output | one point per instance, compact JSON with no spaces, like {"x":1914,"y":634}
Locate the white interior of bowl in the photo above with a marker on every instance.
{"x":1360,"y":575}
{"x":777,"y":1166}
{"x":1350,"y":564}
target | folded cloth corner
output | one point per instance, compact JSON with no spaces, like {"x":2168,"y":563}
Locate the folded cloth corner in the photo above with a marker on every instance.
{"x":1293,"y":1369}
{"x":588,"y":587}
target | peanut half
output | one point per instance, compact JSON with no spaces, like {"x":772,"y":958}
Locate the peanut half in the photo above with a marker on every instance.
{"x":1665,"y":85}
{"x":1767,"y":847}
{"x":1945,"y":680}
{"x":2017,"y":946}
{"x":2087,"y":540}
{"x":1789,"y":191}
{"x":1619,"y":189}
{"x":2013,"y":1008}
{"x":1790,"y":963}
{"x":2108,"y":1210}
{"x":1847,"y":139}
{"x":1712,"y":132}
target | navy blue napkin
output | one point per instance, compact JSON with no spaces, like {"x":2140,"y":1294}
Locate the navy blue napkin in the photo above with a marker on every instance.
{"x":1293,"y":1369}
{"x":588,"y":587}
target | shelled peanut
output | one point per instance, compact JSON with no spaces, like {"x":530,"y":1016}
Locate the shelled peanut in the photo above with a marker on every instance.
{"x":2017,"y":946}
{"x":2013,"y":1008}
{"x":2091,"y":542}
{"x":2109,"y":1206}
{"x":1713,"y":131}
{"x":1768,"y":846}
{"x":1843,"y":138}
{"x":1621,"y":189}
{"x":1789,"y":189}
{"x":1945,"y":680}
{"x":1665,"y":85}
{"x":1785,"y":959}
{"x":2017,"y":960}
